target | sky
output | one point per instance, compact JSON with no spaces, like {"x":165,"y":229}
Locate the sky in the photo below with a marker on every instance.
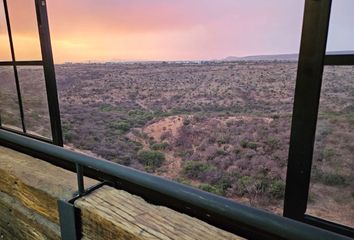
{"x":131,"y":30}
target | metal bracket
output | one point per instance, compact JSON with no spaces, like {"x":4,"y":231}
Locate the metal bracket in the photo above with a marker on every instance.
{"x":70,"y":221}
{"x":70,"y":216}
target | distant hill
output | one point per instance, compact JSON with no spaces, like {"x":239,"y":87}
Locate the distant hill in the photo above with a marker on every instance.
{"x":278,"y":57}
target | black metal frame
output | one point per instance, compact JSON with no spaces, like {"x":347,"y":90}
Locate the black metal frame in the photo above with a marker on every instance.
{"x":306,"y":104}
{"x":49,"y":74}
{"x":220,"y":212}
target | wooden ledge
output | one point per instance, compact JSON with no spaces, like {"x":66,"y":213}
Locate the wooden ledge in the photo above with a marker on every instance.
{"x":108,"y":213}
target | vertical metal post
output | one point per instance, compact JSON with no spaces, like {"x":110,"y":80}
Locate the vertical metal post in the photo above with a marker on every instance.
{"x":49,"y":72}
{"x":80,"y":179}
{"x":306,"y":103}
{"x":18,"y":88}
{"x":69,"y":219}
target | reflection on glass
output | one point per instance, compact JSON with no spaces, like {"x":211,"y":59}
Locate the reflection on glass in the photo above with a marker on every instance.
{"x":34,"y":100}
{"x":24,"y":29}
{"x":332,"y":181}
{"x":5,"y":53}
{"x":341,"y":31}
{"x":9,"y":108}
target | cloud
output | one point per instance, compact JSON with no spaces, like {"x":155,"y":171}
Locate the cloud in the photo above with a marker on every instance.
{"x":167,"y":30}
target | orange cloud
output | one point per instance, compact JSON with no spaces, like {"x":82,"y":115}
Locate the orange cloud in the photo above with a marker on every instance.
{"x":108,"y":30}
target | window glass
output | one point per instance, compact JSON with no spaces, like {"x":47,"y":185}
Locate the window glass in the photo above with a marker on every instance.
{"x":5,"y":53}
{"x":9,"y":108}
{"x":341,"y":31}
{"x":159,"y":86}
{"x":34,"y":100}
{"x":24,"y":29}
{"x":332,"y":180}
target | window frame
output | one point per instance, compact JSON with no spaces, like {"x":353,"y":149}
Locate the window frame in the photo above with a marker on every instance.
{"x":312,"y":59}
{"x":49,"y":74}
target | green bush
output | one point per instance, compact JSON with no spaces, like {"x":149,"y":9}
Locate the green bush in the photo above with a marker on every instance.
{"x":225,"y":182}
{"x":243,"y":184}
{"x":151,"y":159}
{"x":331,"y":179}
{"x":183,"y":180}
{"x":160,"y":146}
{"x":277,"y":189}
{"x":106,"y":108}
{"x":328,"y":153}
{"x":212,"y":189}
{"x":194,"y":169}
{"x":67,"y":133}
{"x":120,"y":127}
{"x":251,"y":145}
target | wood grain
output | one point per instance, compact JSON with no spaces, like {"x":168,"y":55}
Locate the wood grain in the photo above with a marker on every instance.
{"x":18,"y":222}
{"x":35,"y":183}
{"x":109,"y":213}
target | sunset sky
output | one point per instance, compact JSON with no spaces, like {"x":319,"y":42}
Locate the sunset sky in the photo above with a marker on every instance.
{"x":109,"y":30}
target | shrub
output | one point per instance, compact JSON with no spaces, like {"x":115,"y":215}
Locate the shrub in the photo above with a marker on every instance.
{"x":328,"y":154}
{"x":221,"y":152}
{"x":330,"y":179}
{"x":243,"y":185}
{"x":183,"y":180}
{"x":151,"y":159}
{"x":333,"y":179}
{"x":273,"y":144}
{"x":67,"y":133}
{"x":186,"y":122}
{"x":225,"y":182}
{"x":196,"y":169}
{"x":106,"y":108}
{"x":277,"y":189}
{"x":251,"y":145}
{"x":212,"y":189}
{"x":121,"y":127}
{"x":160,"y":146}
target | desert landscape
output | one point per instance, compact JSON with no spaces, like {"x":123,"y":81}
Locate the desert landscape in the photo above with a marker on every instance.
{"x":221,"y":126}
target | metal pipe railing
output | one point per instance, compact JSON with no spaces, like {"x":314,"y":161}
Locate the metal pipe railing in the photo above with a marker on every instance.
{"x":259,"y":222}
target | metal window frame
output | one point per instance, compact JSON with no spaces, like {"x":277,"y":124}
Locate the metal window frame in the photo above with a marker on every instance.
{"x":48,"y":69}
{"x":307,"y":94}
{"x":312,"y":59}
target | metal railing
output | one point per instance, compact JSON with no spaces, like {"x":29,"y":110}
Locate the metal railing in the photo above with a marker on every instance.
{"x":223,"y":213}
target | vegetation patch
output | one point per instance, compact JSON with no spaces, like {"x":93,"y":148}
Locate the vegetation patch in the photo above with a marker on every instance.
{"x":247,"y":144}
{"x":196,"y":169}
{"x":159,"y":146}
{"x":209,"y":188}
{"x":151,"y":159}
{"x":120,"y":127}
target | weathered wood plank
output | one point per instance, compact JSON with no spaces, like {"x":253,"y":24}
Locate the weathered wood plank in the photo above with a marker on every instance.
{"x":18,"y":222}
{"x":35,"y":183}
{"x":108,"y":213}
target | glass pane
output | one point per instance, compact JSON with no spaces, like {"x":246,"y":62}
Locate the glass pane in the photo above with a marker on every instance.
{"x":192,"y":123}
{"x":341,"y":31}
{"x":5,"y":53}
{"x":9,"y":108}
{"x":34,"y":100}
{"x":192,"y":109}
{"x":332,"y":181}
{"x":24,"y":29}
